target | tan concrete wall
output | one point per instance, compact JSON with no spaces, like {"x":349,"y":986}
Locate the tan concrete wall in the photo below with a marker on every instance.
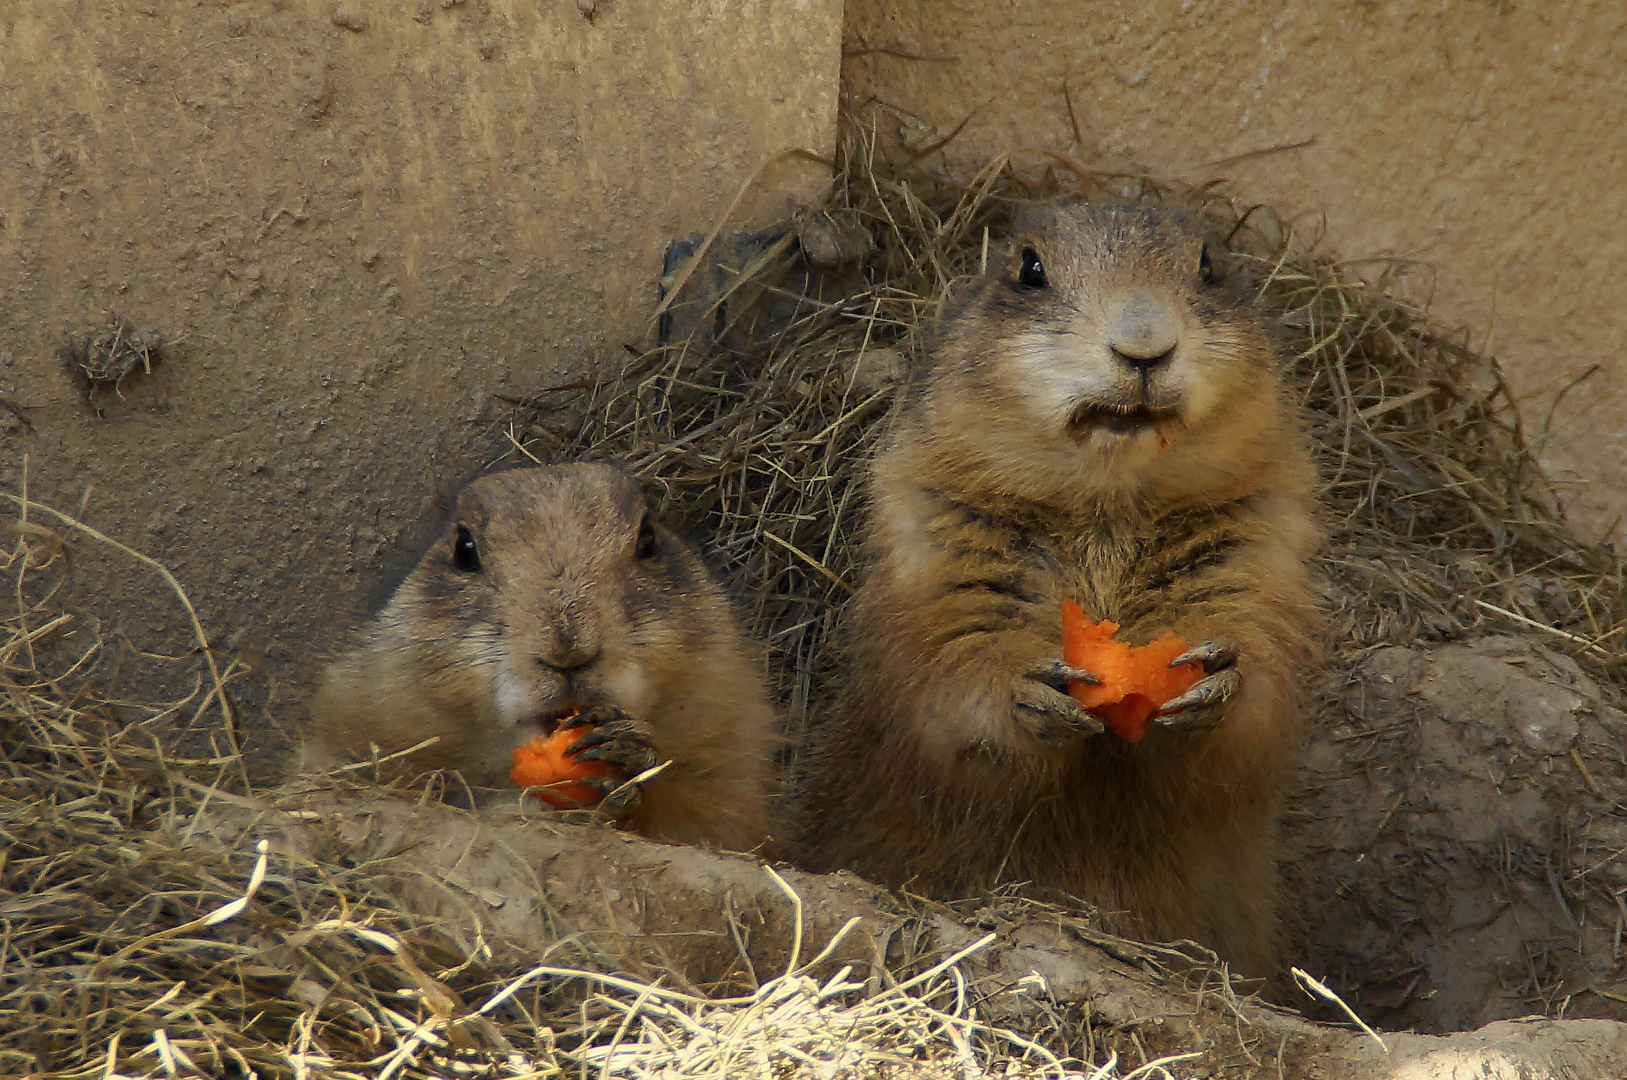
{"x":1488,"y":139}
{"x":361,"y":220}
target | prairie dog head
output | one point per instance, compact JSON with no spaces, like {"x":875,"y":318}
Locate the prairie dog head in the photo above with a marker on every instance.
{"x":1105,"y":348}
{"x":550,"y":591}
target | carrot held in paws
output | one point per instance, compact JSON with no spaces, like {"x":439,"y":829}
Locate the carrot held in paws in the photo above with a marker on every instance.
{"x":543,"y":768}
{"x":1135,"y":680}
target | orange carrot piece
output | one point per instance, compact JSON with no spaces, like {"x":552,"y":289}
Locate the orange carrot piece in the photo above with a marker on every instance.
{"x":543,"y":768}
{"x":1135,"y":680}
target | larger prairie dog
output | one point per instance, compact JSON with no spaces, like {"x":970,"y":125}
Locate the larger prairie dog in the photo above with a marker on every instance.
{"x":1101,"y":420}
{"x":553,"y":590}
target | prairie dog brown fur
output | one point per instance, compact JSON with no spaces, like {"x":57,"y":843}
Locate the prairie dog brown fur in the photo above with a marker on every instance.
{"x":553,"y":590}
{"x":1101,"y":420}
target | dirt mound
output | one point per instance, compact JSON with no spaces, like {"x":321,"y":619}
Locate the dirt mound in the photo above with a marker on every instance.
{"x":1464,"y":820}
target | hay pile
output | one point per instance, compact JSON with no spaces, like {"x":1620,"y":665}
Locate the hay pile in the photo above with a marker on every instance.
{"x":756,"y":425}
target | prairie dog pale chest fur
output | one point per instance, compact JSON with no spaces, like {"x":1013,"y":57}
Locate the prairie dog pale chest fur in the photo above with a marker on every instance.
{"x":553,"y":591}
{"x":1101,"y":420}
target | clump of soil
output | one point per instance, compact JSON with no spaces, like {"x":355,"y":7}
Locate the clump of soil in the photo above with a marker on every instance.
{"x":105,"y":357}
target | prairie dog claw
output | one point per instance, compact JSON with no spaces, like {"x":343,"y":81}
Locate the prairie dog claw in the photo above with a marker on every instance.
{"x":1214,"y":654}
{"x":625,"y":743}
{"x":1057,"y":675}
{"x":1200,"y":708}
{"x":620,"y":795}
{"x":1043,"y":706}
{"x":614,"y":737}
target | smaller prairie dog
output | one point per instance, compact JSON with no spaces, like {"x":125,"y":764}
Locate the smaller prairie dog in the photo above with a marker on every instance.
{"x":553,"y":591}
{"x":1101,"y":420}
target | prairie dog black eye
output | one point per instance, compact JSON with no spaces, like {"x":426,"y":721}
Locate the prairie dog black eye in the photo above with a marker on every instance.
{"x":465,"y":555}
{"x":646,"y":547}
{"x":1206,"y":266}
{"x":1032,"y":273}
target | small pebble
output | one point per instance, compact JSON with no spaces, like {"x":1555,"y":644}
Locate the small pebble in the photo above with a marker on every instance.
{"x":354,"y":21}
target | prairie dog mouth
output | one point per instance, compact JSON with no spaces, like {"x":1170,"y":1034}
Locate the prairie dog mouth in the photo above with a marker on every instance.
{"x":1124,"y":420}
{"x":550,"y":719}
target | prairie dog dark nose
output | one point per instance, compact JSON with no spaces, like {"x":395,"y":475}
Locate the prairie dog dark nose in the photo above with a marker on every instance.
{"x":1144,"y":330}
{"x":569,"y":646}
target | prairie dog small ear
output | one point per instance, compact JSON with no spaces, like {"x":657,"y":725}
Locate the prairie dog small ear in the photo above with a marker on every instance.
{"x":646,"y":545}
{"x":1215,"y":263}
{"x":1210,"y":271}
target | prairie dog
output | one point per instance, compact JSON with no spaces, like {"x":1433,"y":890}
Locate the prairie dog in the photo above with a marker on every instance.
{"x":1101,"y":420}
{"x":553,"y":590}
